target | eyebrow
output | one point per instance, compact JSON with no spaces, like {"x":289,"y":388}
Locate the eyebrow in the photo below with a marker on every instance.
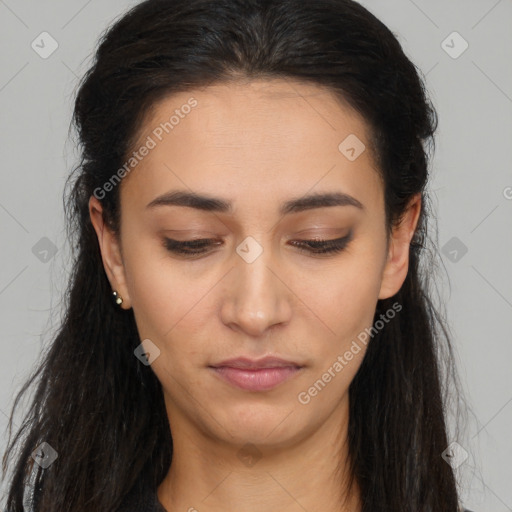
{"x":214,"y":204}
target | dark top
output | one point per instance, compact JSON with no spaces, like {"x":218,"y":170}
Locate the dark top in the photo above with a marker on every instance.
{"x":141,"y":499}
{"x":146,"y":500}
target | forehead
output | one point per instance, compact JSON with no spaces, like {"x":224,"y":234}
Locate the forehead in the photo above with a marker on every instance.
{"x":256,"y":113}
{"x":271,"y":137}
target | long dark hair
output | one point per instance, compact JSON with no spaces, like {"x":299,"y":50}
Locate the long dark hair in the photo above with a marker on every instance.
{"x":95,"y":404}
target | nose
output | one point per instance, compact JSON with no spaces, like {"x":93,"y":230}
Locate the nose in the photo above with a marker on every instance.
{"x":255,"y":295}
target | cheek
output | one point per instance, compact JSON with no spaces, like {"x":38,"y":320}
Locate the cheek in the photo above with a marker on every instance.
{"x":347,"y":306}
{"x":337,"y":298}
{"x":159,"y":293}
{"x":171,"y":306}
{"x":357,"y":296}
{"x":343,"y":298}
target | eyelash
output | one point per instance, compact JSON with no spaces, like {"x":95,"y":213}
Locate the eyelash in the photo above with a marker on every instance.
{"x":316,"y":246}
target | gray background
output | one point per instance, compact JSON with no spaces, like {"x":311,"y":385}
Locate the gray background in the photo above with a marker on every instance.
{"x":471,"y":188}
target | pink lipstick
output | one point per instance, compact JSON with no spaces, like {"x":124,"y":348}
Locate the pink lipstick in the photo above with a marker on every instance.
{"x":256,"y":375}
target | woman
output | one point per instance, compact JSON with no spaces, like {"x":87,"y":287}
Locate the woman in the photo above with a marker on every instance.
{"x":247,"y":326}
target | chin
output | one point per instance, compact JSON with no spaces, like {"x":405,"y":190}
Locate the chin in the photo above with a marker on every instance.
{"x":267,"y":425}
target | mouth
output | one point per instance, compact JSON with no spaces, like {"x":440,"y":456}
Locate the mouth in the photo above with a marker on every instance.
{"x":256,"y":375}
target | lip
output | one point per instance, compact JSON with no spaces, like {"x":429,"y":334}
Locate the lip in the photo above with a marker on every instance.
{"x":256,"y":375}
{"x":265,"y":362}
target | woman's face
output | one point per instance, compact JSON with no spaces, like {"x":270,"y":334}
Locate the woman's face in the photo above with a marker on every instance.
{"x":260,"y":152}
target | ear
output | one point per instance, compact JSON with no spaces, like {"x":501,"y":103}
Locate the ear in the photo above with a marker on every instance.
{"x":397,"y":263}
{"x":110,"y":252}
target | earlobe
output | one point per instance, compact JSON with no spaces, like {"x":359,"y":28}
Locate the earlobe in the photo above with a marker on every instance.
{"x":110,"y":252}
{"x":397,"y":264}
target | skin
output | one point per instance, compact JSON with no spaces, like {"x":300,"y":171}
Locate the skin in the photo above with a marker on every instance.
{"x":257,"y":144}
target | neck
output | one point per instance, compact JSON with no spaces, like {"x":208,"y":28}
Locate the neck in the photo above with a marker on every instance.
{"x":310,"y":474}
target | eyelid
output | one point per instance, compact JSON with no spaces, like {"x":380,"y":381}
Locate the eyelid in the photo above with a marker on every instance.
{"x":324,"y":246}
{"x":316,"y":246}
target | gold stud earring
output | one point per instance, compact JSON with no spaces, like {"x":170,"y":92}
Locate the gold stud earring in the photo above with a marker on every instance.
{"x":118,"y":298}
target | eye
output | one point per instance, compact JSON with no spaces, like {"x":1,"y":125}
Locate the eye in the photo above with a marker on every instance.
{"x":189,"y":247}
{"x":201,"y":245}
{"x":320,"y":246}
